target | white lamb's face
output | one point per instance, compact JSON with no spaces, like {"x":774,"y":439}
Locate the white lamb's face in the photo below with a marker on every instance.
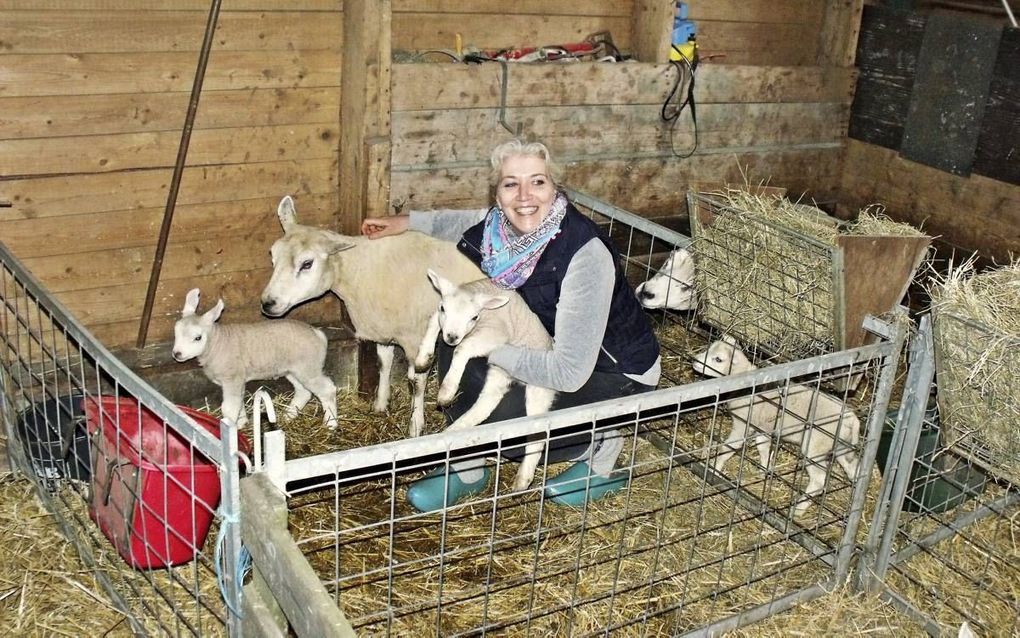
{"x":673,"y":286}
{"x":714,"y":361}
{"x":301,"y":271}
{"x":458,"y":314}
{"x":191,"y":337}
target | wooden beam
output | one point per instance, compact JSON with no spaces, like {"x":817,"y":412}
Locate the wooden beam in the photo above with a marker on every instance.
{"x":651,"y":30}
{"x":364,"y":112}
{"x":308,"y":606}
{"x":841,"y":24}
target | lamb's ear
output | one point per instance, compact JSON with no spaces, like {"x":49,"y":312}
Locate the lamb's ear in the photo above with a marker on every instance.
{"x":491,"y":302}
{"x":191,"y":303}
{"x":285,"y":211}
{"x":729,"y":339}
{"x":442,"y":285}
{"x":214,"y":313}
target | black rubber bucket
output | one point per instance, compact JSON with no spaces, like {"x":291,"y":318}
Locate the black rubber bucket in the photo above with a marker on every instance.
{"x":56,"y":439}
{"x":935,"y":484}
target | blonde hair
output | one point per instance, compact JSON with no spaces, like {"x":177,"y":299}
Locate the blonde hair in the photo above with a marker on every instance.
{"x":516,"y":148}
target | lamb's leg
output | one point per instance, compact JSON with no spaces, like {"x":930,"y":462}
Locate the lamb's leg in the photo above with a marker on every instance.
{"x":325,"y":391}
{"x":816,"y":482}
{"x":301,"y":397}
{"x":497,"y":382}
{"x":736,"y":437}
{"x":233,"y":403}
{"x":382,"y":395}
{"x":417,"y":381}
{"x":428,"y":344}
{"x":537,"y":400}
{"x":467,"y":350}
{"x":764,"y":444}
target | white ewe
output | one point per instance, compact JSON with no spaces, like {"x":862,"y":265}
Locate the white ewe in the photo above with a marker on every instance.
{"x":805,"y":416}
{"x":673,"y":286}
{"x":381,"y":282}
{"x":476,"y":318}
{"x":233,"y":354}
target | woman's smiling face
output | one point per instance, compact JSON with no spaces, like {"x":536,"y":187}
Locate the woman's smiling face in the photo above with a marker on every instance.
{"x":525,"y":191}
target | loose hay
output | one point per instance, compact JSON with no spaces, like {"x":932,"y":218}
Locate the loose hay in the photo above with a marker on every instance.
{"x":977,"y":344}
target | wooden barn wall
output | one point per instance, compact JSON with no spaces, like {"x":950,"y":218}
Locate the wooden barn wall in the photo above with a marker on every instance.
{"x":93,"y":96}
{"x":602,"y":121}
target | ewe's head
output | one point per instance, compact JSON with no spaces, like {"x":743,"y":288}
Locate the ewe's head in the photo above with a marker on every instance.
{"x":673,"y":286}
{"x":459,"y":309}
{"x":721,"y":358}
{"x":301,"y":263}
{"x":191,"y":332}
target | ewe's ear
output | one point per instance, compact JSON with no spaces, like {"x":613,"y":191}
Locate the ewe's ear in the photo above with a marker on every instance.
{"x":212,"y":315}
{"x":339,"y":245}
{"x":285,"y":211}
{"x":191,"y":302}
{"x":491,"y":302}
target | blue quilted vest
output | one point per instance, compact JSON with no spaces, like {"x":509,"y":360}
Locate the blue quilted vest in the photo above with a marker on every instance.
{"x":630,"y":345}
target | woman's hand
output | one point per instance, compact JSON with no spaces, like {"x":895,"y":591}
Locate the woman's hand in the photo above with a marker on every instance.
{"x":376,"y":227}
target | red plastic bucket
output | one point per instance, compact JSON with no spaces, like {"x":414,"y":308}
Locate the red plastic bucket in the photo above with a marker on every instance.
{"x":153,"y":495}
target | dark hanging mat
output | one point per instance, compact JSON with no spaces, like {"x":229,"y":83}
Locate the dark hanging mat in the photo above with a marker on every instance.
{"x":950,"y":91}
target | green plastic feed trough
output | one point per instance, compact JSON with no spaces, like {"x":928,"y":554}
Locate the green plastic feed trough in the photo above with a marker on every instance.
{"x":935,"y":486}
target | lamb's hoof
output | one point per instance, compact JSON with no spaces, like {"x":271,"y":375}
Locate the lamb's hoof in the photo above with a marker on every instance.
{"x":290,"y":414}
{"x":445,"y":397}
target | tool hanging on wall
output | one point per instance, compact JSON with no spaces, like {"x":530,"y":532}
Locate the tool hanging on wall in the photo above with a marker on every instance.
{"x":684,"y":57}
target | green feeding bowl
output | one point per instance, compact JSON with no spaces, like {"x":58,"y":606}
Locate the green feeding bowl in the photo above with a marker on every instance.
{"x":937,"y":482}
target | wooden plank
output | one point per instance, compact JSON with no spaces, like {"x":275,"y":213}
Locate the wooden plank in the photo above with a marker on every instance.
{"x":975,"y":213}
{"x":167,"y":5}
{"x":897,"y":258}
{"x":90,"y":193}
{"x":423,"y":138}
{"x":72,"y":74}
{"x":64,"y":115}
{"x":650,"y":187}
{"x":58,"y":235}
{"x":501,"y":7}
{"x":147,"y":31}
{"x":444,"y":86}
{"x":787,"y":44}
{"x":422,"y":31}
{"x":308,"y":606}
{"x":651,"y":31}
{"x":365,"y":113}
{"x":129,"y":151}
{"x":840,"y":28}
{"x":771,"y":11}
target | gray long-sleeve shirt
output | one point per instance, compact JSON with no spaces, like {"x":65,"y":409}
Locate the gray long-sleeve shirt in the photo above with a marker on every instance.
{"x":581,"y":313}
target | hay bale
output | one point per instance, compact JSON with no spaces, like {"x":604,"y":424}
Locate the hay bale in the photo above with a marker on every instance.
{"x":976,"y":321}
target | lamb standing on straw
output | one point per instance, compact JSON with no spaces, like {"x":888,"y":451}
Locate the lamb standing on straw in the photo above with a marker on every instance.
{"x":231,"y":355}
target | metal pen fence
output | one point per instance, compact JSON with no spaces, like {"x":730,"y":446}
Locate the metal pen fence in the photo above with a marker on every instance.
{"x":146,"y":491}
{"x":945,"y":545}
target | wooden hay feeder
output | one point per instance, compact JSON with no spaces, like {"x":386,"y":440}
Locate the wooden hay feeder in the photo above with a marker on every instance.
{"x":978,"y":370}
{"x":787,"y":293}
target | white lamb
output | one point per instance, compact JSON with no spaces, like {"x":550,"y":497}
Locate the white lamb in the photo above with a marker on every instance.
{"x":805,"y":416}
{"x":233,"y":354}
{"x":381,"y":282}
{"x":476,"y":318}
{"x":672,"y":287}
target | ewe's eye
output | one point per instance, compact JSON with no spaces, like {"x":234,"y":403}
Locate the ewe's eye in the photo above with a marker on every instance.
{"x":305,"y":265}
{"x":198,"y":337}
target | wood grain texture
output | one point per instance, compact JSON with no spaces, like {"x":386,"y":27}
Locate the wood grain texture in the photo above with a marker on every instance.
{"x":998,"y":149}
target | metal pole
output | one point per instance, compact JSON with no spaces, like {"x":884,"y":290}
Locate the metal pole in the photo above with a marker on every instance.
{"x":175,"y":182}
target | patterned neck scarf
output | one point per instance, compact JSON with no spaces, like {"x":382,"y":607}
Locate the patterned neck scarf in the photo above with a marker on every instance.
{"x":508,"y":258}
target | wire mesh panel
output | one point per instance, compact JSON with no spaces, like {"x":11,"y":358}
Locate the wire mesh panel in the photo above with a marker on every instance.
{"x":681,"y":549}
{"x":946,"y":549}
{"x":136,"y":484}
